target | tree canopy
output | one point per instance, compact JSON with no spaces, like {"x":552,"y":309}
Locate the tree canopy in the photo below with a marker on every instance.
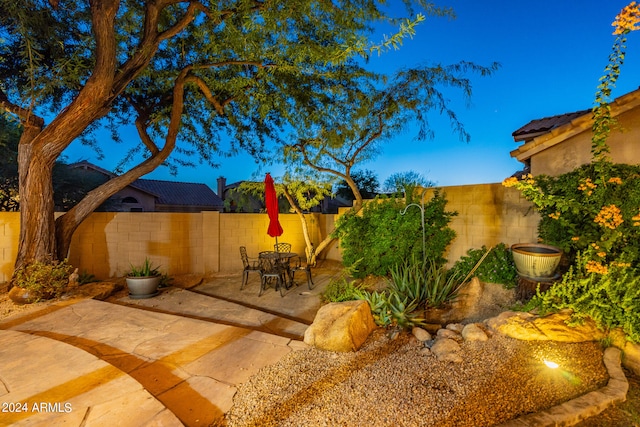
{"x":405,"y":182}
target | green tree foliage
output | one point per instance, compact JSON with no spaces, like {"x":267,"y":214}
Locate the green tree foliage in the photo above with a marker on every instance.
{"x":402,"y":183}
{"x":366,"y":181}
{"x":370,"y":114}
{"x":194,"y":78}
{"x":381,"y":237}
{"x":9,"y":137}
{"x":69,"y":185}
{"x":497,"y":266}
{"x":301,"y":195}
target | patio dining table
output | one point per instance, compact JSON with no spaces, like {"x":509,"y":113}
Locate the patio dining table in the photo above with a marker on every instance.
{"x":283,"y":258}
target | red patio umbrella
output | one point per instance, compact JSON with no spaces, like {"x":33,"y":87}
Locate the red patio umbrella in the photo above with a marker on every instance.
{"x":271,"y":202}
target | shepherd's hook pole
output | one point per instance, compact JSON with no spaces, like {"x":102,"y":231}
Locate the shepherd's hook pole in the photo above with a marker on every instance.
{"x":424,"y":235}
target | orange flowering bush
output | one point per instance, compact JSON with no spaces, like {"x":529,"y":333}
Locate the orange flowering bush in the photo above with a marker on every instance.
{"x":593,"y":213}
{"x":627,"y":20}
{"x":585,"y":212}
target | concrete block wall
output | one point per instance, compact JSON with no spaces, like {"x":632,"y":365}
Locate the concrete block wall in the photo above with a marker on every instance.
{"x":488,"y":214}
{"x":108,"y":242}
{"x":9,"y":236}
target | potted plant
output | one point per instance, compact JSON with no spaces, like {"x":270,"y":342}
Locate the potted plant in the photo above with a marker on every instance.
{"x":143,"y":281}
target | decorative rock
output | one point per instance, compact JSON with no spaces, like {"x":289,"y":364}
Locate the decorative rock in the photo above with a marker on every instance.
{"x":473,"y":332}
{"x":448,"y":333}
{"x":456,"y":327}
{"x":446,"y":350}
{"x":463,"y":306}
{"x":341,"y":326}
{"x":22,"y":296}
{"x":186,"y":281}
{"x":421,"y":334}
{"x":443,"y":345}
{"x":425,"y":351}
{"x":630,"y":351}
{"x":466,"y":303}
{"x":527,"y":327}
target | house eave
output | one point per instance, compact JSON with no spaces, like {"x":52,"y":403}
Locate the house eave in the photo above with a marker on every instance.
{"x":574,"y":127}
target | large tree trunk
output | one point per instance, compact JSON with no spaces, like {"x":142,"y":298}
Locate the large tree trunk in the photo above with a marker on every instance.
{"x":303,"y":222}
{"x":36,"y":241}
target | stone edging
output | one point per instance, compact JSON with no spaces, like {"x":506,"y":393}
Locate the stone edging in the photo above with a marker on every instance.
{"x":590,"y":404}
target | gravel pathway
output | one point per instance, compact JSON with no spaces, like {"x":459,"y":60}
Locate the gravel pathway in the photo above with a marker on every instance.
{"x":399,"y":383}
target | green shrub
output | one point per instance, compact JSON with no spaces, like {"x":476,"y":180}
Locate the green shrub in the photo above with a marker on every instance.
{"x":339,"y":290}
{"x":611,"y":300}
{"x":45,"y":280}
{"x":381,"y":237}
{"x":497,"y":267}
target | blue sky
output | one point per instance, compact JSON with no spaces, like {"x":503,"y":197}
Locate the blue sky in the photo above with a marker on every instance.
{"x":552,"y":53}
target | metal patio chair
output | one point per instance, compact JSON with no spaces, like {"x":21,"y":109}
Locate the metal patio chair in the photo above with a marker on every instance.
{"x":300,"y":265}
{"x":282,"y":247}
{"x":272,"y":271}
{"x":249,"y":265}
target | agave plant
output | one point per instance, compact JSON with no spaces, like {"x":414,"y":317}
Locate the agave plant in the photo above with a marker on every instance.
{"x":441,"y":285}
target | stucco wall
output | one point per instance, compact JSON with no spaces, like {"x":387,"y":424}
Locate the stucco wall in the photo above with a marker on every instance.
{"x":107,"y":242}
{"x":623,"y":142}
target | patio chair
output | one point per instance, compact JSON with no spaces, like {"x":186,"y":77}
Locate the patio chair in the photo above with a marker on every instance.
{"x":272,"y":271}
{"x":300,"y":265}
{"x":249,"y":265}
{"x":282,"y":247}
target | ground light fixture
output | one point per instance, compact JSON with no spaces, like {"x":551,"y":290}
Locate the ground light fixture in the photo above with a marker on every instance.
{"x":551,"y":364}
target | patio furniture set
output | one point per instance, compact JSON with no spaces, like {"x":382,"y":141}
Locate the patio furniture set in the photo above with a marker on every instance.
{"x":276,"y":268}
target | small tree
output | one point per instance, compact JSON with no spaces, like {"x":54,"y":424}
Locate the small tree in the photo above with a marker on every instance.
{"x":302,"y":195}
{"x":403,"y":183}
{"x":367,"y":116}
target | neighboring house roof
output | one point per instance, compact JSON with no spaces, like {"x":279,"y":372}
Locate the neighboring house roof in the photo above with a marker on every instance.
{"x":179,"y":193}
{"x":168,"y":192}
{"x":540,"y":134}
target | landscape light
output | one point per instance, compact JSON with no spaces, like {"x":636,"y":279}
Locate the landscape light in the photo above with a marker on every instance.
{"x":550,"y":364}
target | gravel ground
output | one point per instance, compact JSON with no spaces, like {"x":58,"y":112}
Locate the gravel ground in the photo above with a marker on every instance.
{"x":396,"y":383}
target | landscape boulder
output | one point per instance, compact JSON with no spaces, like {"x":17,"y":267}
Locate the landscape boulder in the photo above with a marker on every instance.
{"x":529,"y":327}
{"x":553,"y":327}
{"x":341,"y":326}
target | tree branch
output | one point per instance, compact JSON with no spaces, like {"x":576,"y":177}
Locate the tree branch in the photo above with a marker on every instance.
{"x":25,"y":114}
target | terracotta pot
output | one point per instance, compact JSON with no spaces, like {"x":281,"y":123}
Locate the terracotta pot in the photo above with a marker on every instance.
{"x":536,"y":261}
{"x":143,"y":287}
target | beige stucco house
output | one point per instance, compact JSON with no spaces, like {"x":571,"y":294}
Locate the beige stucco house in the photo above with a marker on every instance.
{"x":558,"y":144}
